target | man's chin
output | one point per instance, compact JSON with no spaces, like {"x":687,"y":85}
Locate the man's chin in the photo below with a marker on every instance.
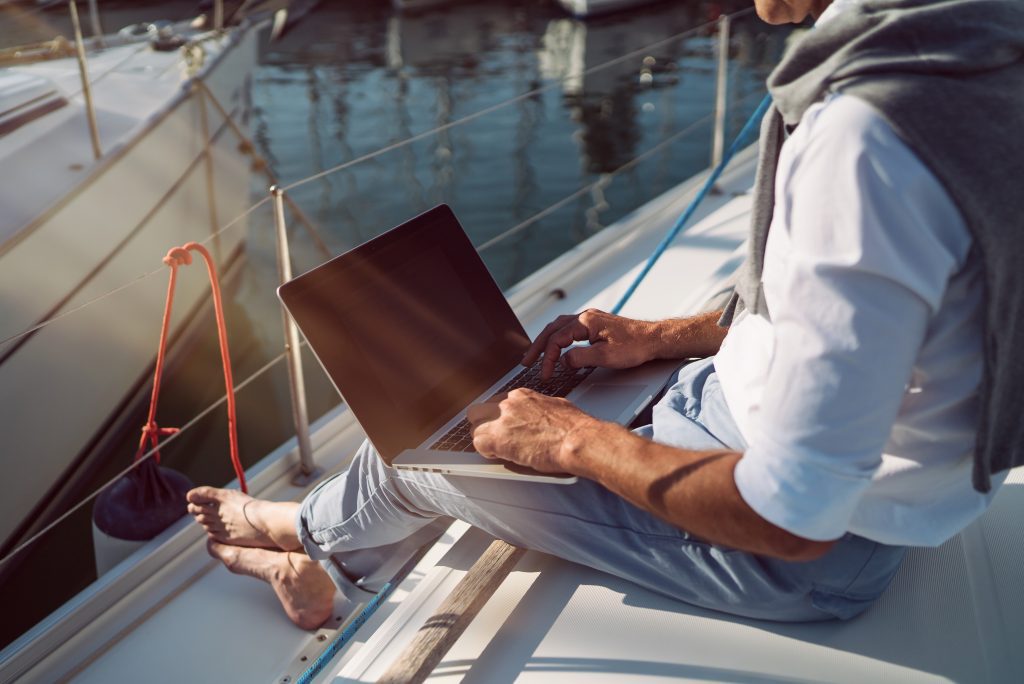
{"x":775,"y":14}
{"x":780,"y":12}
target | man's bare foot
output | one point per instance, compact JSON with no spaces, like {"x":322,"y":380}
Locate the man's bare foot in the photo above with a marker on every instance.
{"x":231,"y":517}
{"x":305,"y":590}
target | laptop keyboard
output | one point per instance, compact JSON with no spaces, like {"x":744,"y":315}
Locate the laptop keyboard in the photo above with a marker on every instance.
{"x":563,"y":381}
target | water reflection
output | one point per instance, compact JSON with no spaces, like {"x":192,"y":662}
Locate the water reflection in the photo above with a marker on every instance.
{"x":433,"y":68}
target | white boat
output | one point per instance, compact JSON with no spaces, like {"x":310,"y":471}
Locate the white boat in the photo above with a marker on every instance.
{"x":169,"y":613}
{"x":76,"y":225}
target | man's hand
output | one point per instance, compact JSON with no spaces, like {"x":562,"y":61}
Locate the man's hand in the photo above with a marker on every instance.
{"x":527,"y":428}
{"x":693,"y":490}
{"x":615,"y":342}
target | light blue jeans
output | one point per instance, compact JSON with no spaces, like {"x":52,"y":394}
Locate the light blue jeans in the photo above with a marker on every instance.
{"x":364,"y":523}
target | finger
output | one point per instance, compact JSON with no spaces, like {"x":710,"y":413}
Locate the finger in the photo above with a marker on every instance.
{"x":582,"y":357}
{"x":551,"y":355}
{"x":483,"y":442}
{"x":540,"y":342}
{"x":558,"y":341}
{"x":537,"y":346}
{"x":477,"y":414}
{"x":594,"y":319}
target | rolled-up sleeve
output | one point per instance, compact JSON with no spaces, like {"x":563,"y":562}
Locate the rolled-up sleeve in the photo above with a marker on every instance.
{"x":855,"y":270}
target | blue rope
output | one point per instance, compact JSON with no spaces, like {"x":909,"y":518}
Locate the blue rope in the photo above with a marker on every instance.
{"x":346,"y":635}
{"x":708,"y":184}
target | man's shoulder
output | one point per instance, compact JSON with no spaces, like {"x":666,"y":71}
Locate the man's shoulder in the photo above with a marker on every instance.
{"x":852,"y":183}
{"x":847,"y":121}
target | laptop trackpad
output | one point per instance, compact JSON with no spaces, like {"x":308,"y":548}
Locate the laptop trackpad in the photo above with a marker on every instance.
{"x":610,"y":402}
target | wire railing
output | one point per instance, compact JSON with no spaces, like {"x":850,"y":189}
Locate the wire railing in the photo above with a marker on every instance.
{"x":604,"y":179}
{"x":131,"y":283}
{"x":143,"y":458}
{"x":15,"y":13}
{"x":390,"y":148}
{"x":643,"y":51}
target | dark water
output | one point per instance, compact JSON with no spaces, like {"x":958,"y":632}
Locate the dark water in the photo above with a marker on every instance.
{"x":354,"y":78}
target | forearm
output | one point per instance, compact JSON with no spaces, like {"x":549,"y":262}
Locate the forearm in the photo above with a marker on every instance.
{"x":693,"y":490}
{"x":698,"y":336}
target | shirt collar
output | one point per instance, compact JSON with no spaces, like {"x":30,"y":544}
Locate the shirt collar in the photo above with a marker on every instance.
{"x":835,"y":9}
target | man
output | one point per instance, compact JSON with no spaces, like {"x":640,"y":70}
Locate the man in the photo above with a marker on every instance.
{"x":832,"y":424}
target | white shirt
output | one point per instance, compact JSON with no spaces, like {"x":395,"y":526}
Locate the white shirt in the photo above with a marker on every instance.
{"x":859,"y":398}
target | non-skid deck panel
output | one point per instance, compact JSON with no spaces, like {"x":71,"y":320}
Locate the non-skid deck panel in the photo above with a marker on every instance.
{"x":951,"y":614}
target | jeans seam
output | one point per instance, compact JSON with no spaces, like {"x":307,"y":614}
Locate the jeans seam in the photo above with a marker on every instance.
{"x":863,"y":567}
{"x":681,"y":539}
{"x":845,"y":591}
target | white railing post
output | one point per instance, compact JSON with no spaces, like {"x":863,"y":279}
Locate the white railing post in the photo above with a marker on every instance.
{"x":721,"y":91}
{"x":83,"y":73}
{"x":296,"y":381}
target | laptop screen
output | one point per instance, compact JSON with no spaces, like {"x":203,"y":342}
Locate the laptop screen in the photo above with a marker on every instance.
{"x":410,"y":327}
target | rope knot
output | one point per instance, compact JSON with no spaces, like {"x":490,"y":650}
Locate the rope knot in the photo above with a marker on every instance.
{"x":178,"y":256}
{"x":152,"y":428}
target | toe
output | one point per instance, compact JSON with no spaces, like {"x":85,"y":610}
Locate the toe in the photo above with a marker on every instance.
{"x":206,"y":520}
{"x":203,"y":495}
{"x":197,"y":511}
{"x":225,"y":553}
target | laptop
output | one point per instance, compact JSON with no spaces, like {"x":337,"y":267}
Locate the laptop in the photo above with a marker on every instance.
{"x":411,"y":328}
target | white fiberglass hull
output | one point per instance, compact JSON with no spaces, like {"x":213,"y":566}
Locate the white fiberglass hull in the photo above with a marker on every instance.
{"x":151,"y":190}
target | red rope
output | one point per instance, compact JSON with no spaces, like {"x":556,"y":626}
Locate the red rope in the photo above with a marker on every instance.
{"x":151,"y":432}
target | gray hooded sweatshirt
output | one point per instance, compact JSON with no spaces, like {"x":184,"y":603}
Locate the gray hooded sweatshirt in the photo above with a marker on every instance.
{"x":948,"y":76}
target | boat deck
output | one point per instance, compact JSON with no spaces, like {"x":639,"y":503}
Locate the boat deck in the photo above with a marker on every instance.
{"x":953,"y":613}
{"x":131,"y":84}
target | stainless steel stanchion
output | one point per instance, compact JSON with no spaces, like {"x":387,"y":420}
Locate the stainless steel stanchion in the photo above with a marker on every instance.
{"x":721,"y":90}
{"x":307,"y":469}
{"x":83,"y":72}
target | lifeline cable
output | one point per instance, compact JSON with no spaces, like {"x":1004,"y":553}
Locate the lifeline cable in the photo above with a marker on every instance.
{"x":604,"y":179}
{"x":230,"y":224}
{"x":153,"y":451}
{"x":149,"y":454}
{"x":688,"y":213}
{"x":389,"y":148}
